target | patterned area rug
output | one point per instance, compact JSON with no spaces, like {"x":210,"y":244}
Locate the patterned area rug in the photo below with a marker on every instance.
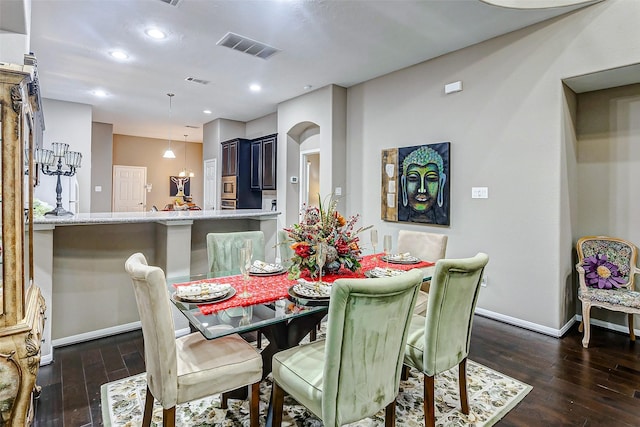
{"x":491,"y":396}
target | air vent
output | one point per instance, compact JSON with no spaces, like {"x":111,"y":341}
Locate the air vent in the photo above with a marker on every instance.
{"x":175,"y":3}
{"x":247,"y":45}
{"x":192,"y":127}
{"x":199,"y":81}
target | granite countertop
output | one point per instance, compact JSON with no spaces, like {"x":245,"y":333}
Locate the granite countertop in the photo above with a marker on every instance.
{"x":160,"y":216}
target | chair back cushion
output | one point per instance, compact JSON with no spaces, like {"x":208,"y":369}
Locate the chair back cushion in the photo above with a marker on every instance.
{"x":366,"y":335}
{"x":426,"y":246}
{"x":223,"y":248}
{"x":618,"y":252}
{"x":454,"y":291}
{"x":284,"y":243}
{"x":154,"y":307}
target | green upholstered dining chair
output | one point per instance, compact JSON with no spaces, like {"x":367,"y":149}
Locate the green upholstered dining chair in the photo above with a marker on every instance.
{"x":355,"y":371}
{"x":222,"y":249}
{"x":284,"y":244}
{"x":428,"y":247}
{"x":440,"y":341}
{"x":190,"y":367}
{"x":606,"y":271}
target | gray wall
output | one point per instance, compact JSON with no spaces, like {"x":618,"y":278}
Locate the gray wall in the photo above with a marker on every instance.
{"x":101,"y":171}
{"x":508,"y":132}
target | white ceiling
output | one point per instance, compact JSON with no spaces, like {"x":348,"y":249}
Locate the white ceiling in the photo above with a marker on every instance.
{"x":321,"y":42}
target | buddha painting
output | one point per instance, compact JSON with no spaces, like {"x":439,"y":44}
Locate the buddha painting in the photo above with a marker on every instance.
{"x":424,"y":190}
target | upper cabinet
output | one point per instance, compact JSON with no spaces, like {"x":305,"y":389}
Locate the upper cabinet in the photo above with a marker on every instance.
{"x":229,"y":157}
{"x":263,"y":162}
{"x":21,"y":303}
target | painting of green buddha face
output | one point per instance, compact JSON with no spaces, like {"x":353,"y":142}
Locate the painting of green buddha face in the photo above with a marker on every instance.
{"x":424,"y":184}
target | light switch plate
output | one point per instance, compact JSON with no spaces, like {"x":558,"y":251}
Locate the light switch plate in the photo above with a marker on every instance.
{"x":479,"y":192}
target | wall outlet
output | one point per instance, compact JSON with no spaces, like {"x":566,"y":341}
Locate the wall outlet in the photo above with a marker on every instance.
{"x":483,"y":282}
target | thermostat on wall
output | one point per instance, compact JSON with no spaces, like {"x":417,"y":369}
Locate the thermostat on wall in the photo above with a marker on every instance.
{"x":293,"y":180}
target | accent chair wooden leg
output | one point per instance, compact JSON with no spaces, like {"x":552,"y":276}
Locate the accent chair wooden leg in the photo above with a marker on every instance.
{"x":277,"y":400}
{"x":169,"y":417}
{"x":390,"y":414}
{"x":259,"y":340}
{"x":224,"y":400}
{"x":148,"y":409}
{"x":254,"y":404}
{"x":429,"y":397}
{"x":462,"y":382}
{"x":586,"y":312}
{"x":632,"y":334}
{"x":581,"y":326}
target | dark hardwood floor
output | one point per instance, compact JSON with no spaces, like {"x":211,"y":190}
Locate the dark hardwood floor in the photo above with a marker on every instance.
{"x":572,"y":386}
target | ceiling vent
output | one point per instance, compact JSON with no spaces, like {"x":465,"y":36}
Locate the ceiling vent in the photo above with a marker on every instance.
{"x":192,"y":127}
{"x":175,"y":3}
{"x":199,"y":81}
{"x":247,"y":45}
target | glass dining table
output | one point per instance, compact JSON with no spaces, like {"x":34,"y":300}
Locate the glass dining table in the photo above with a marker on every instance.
{"x":283,"y":316}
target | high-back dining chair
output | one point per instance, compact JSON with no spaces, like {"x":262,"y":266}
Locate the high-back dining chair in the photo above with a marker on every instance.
{"x":284,"y":244}
{"x":606,"y":270}
{"x":428,"y":247}
{"x":222,"y":249}
{"x":355,"y":372}
{"x":190,"y":367}
{"x":440,"y":341}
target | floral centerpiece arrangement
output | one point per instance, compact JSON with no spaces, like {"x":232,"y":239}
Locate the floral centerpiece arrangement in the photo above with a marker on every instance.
{"x":327,"y":227}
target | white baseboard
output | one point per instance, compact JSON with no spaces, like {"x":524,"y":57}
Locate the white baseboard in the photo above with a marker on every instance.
{"x":100,"y":333}
{"x":526,"y":324}
{"x":46,"y":359}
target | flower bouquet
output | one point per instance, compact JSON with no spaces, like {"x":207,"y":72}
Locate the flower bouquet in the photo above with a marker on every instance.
{"x":327,"y":227}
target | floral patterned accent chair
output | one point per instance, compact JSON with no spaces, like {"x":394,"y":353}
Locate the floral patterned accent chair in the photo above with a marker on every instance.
{"x":606,"y":271}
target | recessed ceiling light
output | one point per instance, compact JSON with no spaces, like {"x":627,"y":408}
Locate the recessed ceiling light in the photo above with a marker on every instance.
{"x":207,"y":111}
{"x":155,"y":33}
{"x":255,"y":87}
{"x":118,"y":54}
{"x":99,"y":93}
{"x":307,"y":87}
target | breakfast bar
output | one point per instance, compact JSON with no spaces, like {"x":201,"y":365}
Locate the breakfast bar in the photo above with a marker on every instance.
{"x":79,"y":263}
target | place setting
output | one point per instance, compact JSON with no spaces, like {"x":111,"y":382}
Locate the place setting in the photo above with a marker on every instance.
{"x":261,"y":268}
{"x":203,"y":292}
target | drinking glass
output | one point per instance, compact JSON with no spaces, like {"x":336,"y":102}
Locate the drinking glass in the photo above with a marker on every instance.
{"x":374,"y":240}
{"x":321,"y":256}
{"x":387,"y":247}
{"x":245,"y":255}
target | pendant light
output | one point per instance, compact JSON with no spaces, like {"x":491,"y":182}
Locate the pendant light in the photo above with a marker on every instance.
{"x":169,"y":153}
{"x":184,"y":171}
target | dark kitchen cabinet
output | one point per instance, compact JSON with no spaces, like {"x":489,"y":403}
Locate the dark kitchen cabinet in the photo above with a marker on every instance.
{"x":229,"y":157}
{"x":263,"y":162}
{"x":236,"y":161}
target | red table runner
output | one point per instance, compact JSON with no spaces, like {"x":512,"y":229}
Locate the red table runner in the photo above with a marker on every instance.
{"x":265,"y":289}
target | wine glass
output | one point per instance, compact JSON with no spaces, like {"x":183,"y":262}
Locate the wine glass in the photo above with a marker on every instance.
{"x":245,"y":255}
{"x":321,"y":256}
{"x":387,"y":247}
{"x":374,"y":240}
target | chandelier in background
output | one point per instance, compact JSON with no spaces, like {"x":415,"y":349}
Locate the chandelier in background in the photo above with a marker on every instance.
{"x":169,"y":153}
{"x":184,"y":171}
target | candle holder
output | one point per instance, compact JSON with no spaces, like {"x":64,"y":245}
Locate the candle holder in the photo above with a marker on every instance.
{"x":47,"y":158}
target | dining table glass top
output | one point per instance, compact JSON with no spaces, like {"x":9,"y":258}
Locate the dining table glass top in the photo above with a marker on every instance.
{"x":272,"y":298}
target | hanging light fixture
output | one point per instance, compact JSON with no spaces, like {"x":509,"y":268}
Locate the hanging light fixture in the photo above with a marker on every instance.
{"x":169,"y":153}
{"x":184,"y":171}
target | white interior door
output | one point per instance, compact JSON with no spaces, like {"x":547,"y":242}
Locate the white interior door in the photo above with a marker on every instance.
{"x":310,"y":173}
{"x":129,"y":188}
{"x":210,"y":184}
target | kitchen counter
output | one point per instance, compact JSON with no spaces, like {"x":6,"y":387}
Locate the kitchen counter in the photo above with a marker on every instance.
{"x":79,"y":263}
{"x":159,"y":216}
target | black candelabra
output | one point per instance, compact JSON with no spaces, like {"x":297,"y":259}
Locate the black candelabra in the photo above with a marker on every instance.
{"x":47,"y":158}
